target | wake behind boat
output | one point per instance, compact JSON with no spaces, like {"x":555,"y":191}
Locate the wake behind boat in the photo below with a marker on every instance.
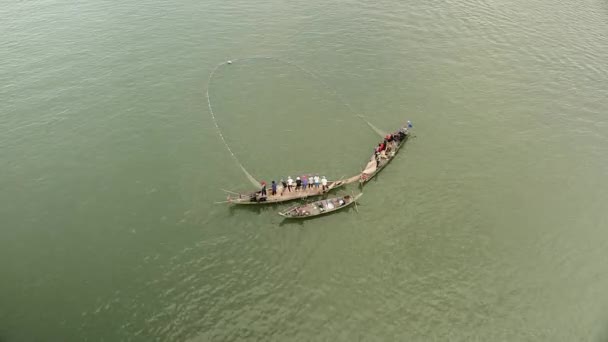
{"x":385,"y":153}
{"x":322,"y":207}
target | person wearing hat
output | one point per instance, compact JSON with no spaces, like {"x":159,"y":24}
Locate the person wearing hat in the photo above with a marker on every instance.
{"x":298,"y":183}
{"x":289,"y":183}
{"x":263,"y":192}
{"x":324,"y":183}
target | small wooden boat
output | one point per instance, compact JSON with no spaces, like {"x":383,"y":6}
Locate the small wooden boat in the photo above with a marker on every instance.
{"x":284,"y":195}
{"x":322,"y":207}
{"x":374,"y":165}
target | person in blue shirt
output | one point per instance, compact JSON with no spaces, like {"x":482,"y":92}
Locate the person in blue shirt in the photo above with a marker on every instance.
{"x":274,"y":188}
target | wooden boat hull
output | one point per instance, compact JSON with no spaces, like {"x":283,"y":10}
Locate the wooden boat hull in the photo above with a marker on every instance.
{"x":365,"y":177}
{"x":283,"y":195}
{"x":319,"y":208}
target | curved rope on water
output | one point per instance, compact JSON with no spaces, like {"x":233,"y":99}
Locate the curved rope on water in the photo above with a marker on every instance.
{"x":252,"y":179}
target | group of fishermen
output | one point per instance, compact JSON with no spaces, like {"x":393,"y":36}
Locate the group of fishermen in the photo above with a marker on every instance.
{"x":390,"y":143}
{"x":303,"y":183}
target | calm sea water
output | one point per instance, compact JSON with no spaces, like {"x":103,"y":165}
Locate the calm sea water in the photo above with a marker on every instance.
{"x":491,"y":225}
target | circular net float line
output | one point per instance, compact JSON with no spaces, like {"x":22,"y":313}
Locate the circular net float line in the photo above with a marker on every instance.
{"x":252,"y":179}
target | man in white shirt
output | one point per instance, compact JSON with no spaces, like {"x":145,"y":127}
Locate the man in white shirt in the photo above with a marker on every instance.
{"x":317,"y":181}
{"x":324,"y":182}
{"x":289,"y":183}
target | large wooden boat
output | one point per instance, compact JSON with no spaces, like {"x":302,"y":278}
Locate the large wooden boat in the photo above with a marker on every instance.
{"x":318,"y":208}
{"x":376,"y":164}
{"x":284,"y":195}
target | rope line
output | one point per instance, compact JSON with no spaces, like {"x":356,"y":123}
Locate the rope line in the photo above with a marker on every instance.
{"x":252,"y":179}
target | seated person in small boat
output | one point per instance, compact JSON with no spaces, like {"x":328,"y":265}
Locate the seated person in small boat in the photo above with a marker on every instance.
{"x":341,"y":202}
{"x":396,"y":138}
{"x":257,"y":197}
{"x":388,"y":142}
{"x":301,"y":212}
{"x":403,"y":132}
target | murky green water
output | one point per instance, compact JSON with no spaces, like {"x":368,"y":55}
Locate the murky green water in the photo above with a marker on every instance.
{"x":489,"y":226}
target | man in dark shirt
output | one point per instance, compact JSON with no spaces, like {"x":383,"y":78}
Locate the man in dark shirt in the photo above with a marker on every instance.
{"x":263,"y":192}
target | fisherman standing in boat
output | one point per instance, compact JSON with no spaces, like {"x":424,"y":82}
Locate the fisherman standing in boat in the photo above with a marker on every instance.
{"x":324,"y":183}
{"x":379,"y":150}
{"x":263,"y":192}
{"x":274,"y":188}
{"x":298,"y":184}
{"x":289,"y":183}
{"x":284,"y":184}
{"x":304,"y":182}
{"x":317,"y":181}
